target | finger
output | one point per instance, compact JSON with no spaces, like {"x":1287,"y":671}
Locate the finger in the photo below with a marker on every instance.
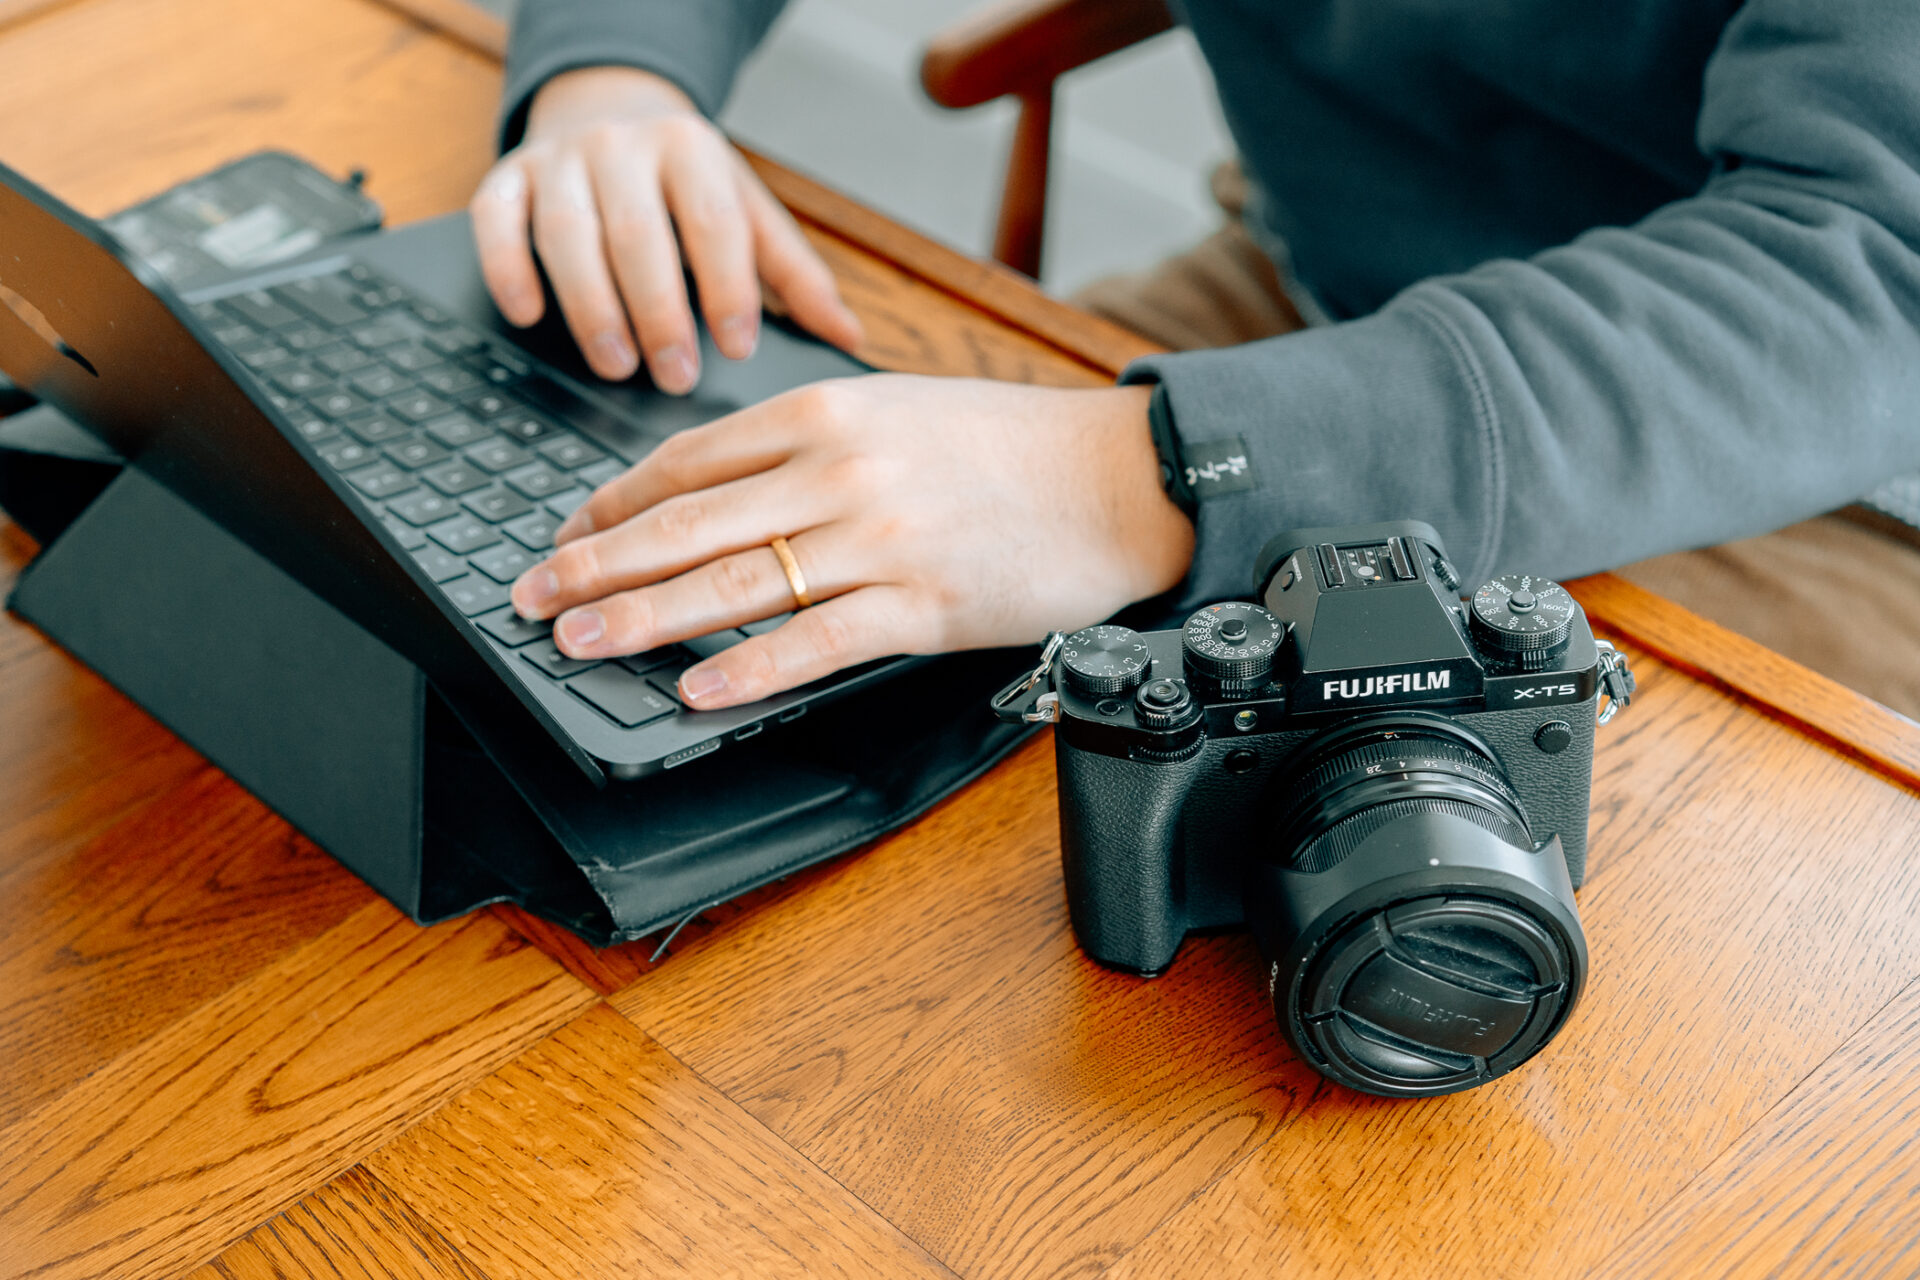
{"x":566,"y":231}
{"x":499,"y":210}
{"x":729,"y":448}
{"x":794,"y":272}
{"x":671,"y":538}
{"x":646,"y":265}
{"x":702,"y":190}
{"x":729,"y":592}
{"x":872,"y":622}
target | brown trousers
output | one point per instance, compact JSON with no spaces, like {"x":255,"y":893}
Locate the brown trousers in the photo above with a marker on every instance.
{"x":1839,"y":593}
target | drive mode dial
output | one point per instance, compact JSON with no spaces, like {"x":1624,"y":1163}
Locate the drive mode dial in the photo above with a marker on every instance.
{"x":1231,"y":646}
{"x":1522,"y":619}
{"x":1105,"y":660}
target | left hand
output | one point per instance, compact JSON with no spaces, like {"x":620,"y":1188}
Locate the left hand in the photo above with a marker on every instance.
{"x":926,"y":514}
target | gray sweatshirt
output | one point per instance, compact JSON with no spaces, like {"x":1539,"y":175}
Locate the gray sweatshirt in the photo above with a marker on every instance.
{"x":1609,"y":280}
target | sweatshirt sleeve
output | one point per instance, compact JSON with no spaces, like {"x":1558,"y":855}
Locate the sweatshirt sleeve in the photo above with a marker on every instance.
{"x":1737,"y":361}
{"x":697,"y":44}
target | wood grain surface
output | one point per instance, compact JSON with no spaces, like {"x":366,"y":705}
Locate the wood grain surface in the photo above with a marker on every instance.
{"x":221,"y":1055}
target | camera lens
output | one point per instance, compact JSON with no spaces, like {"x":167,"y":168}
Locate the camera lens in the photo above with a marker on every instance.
{"x":1418,"y":941}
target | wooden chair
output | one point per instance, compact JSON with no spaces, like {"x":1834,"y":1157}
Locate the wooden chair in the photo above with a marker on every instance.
{"x":1019,"y":48}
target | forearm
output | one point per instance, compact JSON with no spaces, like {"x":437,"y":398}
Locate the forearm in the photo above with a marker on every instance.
{"x":697,"y":46}
{"x":1738,"y":361}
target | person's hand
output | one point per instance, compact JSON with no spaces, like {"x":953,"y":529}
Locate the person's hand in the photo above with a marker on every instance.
{"x":613,"y":162}
{"x":926,"y":514}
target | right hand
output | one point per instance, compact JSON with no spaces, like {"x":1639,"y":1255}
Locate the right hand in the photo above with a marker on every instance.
{"x":613,"y":162}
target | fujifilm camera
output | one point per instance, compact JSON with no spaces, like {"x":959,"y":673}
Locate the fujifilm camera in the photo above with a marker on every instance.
{"x":1387,"y":783}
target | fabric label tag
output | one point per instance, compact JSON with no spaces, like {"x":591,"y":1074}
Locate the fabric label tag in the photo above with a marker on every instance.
{"x":1216,"y":467}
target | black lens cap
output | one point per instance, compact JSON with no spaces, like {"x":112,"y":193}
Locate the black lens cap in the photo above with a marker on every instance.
{"x":1435,"y":994}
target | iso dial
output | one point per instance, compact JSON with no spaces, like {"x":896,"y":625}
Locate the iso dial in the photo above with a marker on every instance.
{"x":1101,"y":661}
{"x":1231,"y":646}
{"x":1522,"y":619}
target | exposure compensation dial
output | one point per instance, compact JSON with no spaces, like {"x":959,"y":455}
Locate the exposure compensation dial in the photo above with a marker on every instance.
{"x":1231,"y":646}
{"x":1522,"y":619}
{"x":1102,"y":661}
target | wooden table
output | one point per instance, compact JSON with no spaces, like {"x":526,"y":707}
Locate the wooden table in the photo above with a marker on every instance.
{"x":220,"y":1048}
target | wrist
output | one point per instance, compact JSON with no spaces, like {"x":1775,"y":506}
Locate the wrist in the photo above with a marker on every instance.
{"x":1154,"y":534}
{"x":595,"y":93}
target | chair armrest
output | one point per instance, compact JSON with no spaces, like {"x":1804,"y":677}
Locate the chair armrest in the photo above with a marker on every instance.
{"x":1022,"y":46}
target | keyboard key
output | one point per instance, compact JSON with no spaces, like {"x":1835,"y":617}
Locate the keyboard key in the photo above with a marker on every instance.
{"x":379,"y":334}
{"x":569,"y":452}
{"x":440,"y":566}
{"x":456,"y":477}
{"x":765,"y":625}
{"x":491,"y":404}
{"x":505,"y":562}
{"x":417,"y":406}
{"x":337,"y":404}
{"x":343,"y":360}
{"x":463,"y":534}
{"x":706,"y":646}
{"x":654,"y":659}
{"x":259,"y":308}
{"x":621,"y":696}
{"x":534,"y":531}
{"x":260,"y":359}
{"x":346,"y":455}
{"x":428,"y":314}
{"x":565,"y":504}
{"x":549,"y":659}
{"x":417,"y":453}
{"x":324,"y":298}
{"x":456,"y":430}
{"x":423,"y":506}
{"x":283,"y":403}
{"x":381,"y":480}
{"x":475,"y":594}
{"x":496,"y":455}
{"x":299,"y":379}
{"x":405,"y":534}
{"x":667,"y":682}
{"x":496,"y":505}
{"x":497,"y":367}
{"x":377,"y":428}
{"x":312,"y":429}
{"x":601,"y":472}
{"x":452,"y":342}
{"x":377,"y":382}
{"x":450,"y":380}
{"x":512,"y":630}
{"x":306,"y":339}
{"x":523,"y":426}
{"x":412,"y":357}
{"x":538,"y":480}
{"x":231,"y":333}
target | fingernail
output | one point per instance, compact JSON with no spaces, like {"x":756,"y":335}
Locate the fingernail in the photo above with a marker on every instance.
{"x":616,"y":355}
{"x":674,"y":369}
{"x":703,"y":683}
{"x":576,"y":525}
{"x":582,"y":627}
{"x":739,"y":335}
{"x":535,"y":588}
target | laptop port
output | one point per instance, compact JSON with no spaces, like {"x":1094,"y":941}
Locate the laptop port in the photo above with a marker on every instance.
{"x":685,"y":754}
{"x":793,"y":713}
{"x":746,"y":731}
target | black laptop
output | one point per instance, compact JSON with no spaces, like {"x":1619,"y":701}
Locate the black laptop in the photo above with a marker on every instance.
{"x":365,"y":420}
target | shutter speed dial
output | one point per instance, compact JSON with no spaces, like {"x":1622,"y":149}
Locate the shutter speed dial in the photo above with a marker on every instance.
{"x":1231,"y":646}
{"x":1101,"y":661}
{"x":1522,"y":619}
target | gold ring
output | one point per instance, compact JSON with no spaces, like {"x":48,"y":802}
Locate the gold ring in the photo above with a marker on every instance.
{"x":795,"y":579}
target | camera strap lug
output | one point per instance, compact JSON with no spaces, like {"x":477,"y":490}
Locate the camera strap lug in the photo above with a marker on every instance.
{"x":1616,"y":681}
{"x":1012,"y":704}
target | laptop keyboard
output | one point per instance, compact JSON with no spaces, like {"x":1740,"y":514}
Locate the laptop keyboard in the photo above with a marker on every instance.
{"x":459,"y":445}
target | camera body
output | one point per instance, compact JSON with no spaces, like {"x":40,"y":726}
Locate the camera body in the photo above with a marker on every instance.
{"x":1388,"y":785}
